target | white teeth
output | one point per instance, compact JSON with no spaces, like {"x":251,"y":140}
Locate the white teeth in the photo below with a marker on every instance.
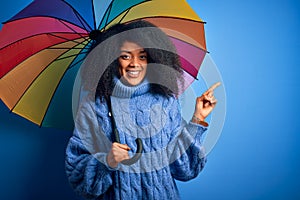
{"x":133,"y":72}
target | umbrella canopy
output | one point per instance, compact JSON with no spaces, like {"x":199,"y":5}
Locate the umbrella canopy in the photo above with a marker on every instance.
{"x":43,"y":46}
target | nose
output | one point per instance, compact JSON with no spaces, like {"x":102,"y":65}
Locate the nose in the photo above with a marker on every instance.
{"x":134,"y":62}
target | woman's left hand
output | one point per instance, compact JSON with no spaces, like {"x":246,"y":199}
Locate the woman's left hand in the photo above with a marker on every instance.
{"x":206,"y":103}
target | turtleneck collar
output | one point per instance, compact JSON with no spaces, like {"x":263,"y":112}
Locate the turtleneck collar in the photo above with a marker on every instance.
{"x":124,"y":91}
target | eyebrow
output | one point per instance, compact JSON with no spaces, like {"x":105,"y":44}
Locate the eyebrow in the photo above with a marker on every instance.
{"x":126,"y":51}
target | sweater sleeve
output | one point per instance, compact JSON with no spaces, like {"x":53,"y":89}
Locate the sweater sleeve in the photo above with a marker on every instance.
{"x":188,"y":153}
{"x":86,"y":167}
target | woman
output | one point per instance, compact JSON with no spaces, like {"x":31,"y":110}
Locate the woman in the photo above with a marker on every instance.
{"x":139,"y":88}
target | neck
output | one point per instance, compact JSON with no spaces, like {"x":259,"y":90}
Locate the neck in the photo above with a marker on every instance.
{"x":126,"y":91}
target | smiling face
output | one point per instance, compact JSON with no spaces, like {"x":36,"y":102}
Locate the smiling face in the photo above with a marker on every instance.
{"x":133,"y":63}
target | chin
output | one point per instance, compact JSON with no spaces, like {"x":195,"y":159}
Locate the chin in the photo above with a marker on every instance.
{"x":134,"y":83}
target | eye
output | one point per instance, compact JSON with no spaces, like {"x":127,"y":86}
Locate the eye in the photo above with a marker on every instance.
{"x":125,"y":57}
{"x":143,"y":57}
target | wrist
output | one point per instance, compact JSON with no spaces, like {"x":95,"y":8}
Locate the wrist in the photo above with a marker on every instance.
{"x":110,"y":162}
{"x":199,"y":120}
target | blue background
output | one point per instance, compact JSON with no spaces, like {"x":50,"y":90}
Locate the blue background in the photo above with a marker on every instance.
{"x":255,"y":45}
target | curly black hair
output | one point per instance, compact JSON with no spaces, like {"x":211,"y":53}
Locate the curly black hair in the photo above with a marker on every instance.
{"x":164,"y":70}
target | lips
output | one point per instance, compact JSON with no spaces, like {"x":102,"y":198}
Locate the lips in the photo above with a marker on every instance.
{"x":133,"y":73}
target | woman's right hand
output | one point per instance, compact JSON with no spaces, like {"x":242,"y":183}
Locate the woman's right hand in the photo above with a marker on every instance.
{"x":117,"y":154}
{"x":206,"y":103}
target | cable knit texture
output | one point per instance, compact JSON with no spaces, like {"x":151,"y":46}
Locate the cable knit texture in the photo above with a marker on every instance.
{"x":172,"y":148}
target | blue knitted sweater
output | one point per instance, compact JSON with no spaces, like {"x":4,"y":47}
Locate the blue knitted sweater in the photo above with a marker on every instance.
{"x":172,"y":148}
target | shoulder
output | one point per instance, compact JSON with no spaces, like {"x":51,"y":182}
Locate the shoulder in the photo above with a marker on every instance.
{"x":89,"y":106}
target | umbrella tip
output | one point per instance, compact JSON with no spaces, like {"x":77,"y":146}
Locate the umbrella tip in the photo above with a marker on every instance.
{"x":94,"y":34}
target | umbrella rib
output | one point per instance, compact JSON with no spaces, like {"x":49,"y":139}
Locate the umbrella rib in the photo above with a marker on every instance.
{"x":72,"y":55}
{"x":68,"y":40}
{"x":94,"y":15}
{"x":34,"y":81}
{"x":83,"y":24}
{"x":66,"y":25}
{"x":81,"y":19}
{"x":52,"y":98}
{"x":57,"y":58}
{"x":189,"y":44}
{"x":79,"y":43}
{"x":38,"y":76}
{"x":107,"y":10}
{"x":182,"y":18}
{"x":73,"y":65}
{"x":53,"y":17}
{"x":54,"y":48}
{"x":34,"y":36}
{"x":195,"y":47}
{"x":124,"y":15}
{"x":110,"y":7}
{"x":67,"y":48}
{"x":58,"y":86}
{"x":191,"y":74}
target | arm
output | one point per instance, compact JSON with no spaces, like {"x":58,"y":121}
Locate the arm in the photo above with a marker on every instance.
{"x":87,"y":175}
{"x":86,"y":166}
{"x":188,"y":153}
{"x":192,"y":161}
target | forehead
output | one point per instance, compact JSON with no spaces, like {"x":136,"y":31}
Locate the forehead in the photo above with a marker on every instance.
{"x":131,"y":46}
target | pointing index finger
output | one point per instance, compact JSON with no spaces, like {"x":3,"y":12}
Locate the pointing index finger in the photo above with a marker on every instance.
{"x":214,"y":86}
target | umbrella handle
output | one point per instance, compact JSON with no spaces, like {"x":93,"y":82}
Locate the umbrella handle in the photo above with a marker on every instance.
{"x":138,"y":152}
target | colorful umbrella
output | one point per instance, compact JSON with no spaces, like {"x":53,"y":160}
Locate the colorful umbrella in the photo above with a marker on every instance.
{"x":43,"y":46}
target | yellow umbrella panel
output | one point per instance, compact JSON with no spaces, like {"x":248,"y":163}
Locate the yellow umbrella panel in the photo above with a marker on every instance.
{"x":36,"y":79}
